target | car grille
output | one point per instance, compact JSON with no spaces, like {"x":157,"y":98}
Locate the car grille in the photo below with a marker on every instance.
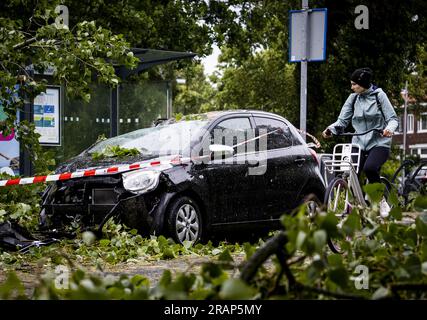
{"x":104,"y":196}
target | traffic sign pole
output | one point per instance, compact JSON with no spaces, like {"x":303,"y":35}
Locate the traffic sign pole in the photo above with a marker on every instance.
{"x":405,"y":96}
{"x":405,"y":120}
{"x":304,"y":67}
{"x":307,"y":42}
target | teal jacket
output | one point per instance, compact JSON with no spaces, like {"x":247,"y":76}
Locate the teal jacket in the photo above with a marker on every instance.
{"x":367,"y":116}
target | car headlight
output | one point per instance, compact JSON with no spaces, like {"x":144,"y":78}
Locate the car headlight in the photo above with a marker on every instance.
{"x":141,"y":181}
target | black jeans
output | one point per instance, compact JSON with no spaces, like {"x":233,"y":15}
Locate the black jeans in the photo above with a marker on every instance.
{"x":371,"y":162}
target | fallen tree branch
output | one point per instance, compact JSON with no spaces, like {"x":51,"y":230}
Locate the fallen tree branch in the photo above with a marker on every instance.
{"x":24,"y":44}
{"x":276,"y":246}
{"x":271,"y":247}
{"x":282,"y":256}
{"x":296,"y":260}
{"x":283,"y":260}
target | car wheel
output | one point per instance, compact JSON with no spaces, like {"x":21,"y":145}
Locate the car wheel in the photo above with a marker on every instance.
{"x":184,"y":220}
{"x":313,"y":205}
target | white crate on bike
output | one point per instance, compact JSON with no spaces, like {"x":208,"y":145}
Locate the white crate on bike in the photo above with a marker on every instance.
{"x":345,"y":158}
{"x":346,"y":155}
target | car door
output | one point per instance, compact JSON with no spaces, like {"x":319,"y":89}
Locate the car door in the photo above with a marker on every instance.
{"x":232,"y":189}
{"x":284,"y":175}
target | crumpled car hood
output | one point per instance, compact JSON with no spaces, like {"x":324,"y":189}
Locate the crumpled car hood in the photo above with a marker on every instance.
{"x":86,"y":162}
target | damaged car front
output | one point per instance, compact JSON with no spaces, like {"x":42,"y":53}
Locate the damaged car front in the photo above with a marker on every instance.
{"x":137,"y":198}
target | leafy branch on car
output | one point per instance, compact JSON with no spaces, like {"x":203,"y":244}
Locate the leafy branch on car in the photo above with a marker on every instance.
{"x":115,"y":151}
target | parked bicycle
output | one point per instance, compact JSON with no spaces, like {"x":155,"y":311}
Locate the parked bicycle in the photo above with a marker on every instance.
{"x":344,"y":191}
{"x":407,"y":179}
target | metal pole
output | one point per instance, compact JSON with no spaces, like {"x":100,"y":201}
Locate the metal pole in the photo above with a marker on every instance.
{"x":114,"y":111}
{"x":405,"y":120}
{"x":303,"y":92}
{"x":168,"y":100}
{"x":26,"y":166}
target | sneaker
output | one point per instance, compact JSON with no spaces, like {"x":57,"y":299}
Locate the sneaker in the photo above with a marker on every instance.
{"x":384,"y":208}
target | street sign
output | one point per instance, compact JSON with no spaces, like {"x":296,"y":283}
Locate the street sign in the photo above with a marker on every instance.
{"x":316,"y":35}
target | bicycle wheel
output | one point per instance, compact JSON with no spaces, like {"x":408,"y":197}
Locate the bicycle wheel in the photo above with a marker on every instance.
{"x":339,"y":199}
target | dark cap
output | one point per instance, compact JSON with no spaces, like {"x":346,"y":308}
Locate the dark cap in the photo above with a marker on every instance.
{"x":363,"y":77}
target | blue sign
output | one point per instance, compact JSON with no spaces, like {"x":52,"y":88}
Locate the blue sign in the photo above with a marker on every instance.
{"x":316,"y":35}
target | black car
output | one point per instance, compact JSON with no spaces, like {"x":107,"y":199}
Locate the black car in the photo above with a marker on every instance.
{"x":220,"y":171}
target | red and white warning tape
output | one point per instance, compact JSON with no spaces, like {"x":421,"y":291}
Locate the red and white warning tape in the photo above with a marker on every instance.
{"x":316,"y":142}
{"x":92,"y":172}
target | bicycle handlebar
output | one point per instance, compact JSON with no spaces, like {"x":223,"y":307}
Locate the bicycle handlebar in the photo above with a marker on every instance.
{"x":339,"y":131}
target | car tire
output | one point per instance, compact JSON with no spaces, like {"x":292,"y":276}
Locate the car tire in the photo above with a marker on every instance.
{"x":313,"y":205}
{"x":184,"y":220}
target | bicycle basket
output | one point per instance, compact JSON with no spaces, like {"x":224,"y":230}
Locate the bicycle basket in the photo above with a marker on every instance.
{"x":344,"y":157}
{"x":345,"y":153}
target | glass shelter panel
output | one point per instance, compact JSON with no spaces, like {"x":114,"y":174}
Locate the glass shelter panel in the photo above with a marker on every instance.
{"x":141,"y":104}
{"x":83,"y":123}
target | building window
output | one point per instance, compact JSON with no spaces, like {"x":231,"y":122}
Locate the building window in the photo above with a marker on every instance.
{"x":409,"y":124}
{"x":419,"y":150}
{"x":422,"y":123}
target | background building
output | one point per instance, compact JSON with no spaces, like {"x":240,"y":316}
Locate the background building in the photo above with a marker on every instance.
{"x":416,"y":132}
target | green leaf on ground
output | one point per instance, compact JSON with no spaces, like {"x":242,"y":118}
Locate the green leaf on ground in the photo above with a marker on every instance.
{"x":236,"y":289}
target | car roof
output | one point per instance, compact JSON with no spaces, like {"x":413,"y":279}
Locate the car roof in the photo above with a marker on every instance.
{"x":216,"y":114}
{"x":213,"y":116}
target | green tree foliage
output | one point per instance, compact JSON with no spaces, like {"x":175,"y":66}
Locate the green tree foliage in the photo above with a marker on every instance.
{"x":76,"y":54}
{"x":389,"y":47}
{"x":417,"y":80}
{"x":197,"y":94}
{"x":255,"y":74}
{"x":381,"y":260}
{"x":20,"y":204}
{"x":245,"y":29}
{"x":264,"y":81}
{"x":167,"y":25}
{"x":249,"y":26}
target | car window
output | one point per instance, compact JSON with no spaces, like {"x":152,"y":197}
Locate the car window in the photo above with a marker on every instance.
{"x":231,"y":131}
{"x":160,"y":140}
{"x":279,"y":135}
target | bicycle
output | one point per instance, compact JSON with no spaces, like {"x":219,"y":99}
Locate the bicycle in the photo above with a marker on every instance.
{"x":408,"y":183}
{"x":344,"y":191}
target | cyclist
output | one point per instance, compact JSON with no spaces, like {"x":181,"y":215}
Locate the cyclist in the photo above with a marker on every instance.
{"x":368,"y":108}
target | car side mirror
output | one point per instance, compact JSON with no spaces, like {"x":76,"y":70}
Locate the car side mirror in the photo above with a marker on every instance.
{"x":220,"y":150}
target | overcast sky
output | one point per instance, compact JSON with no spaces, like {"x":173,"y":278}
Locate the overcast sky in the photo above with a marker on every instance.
{"x":211,"y":61}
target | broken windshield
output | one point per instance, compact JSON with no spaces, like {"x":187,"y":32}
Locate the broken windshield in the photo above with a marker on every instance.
{"x":160,"y":140}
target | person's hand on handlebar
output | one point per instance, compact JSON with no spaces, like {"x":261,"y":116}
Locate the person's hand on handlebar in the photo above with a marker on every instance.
{"x":387,"y":133}
{"x":327,"y":133}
